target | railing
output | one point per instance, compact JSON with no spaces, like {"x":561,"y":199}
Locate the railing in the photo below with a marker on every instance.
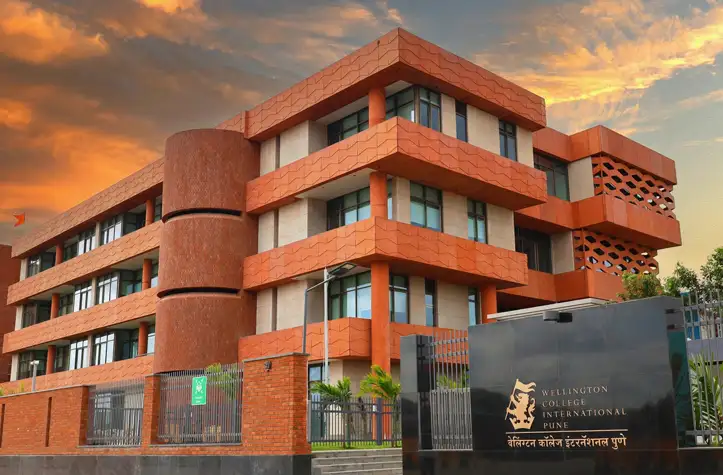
{"x":704,"y":335}
{"x":363,"y":421}
{"x":115,"y":413}
{"x":450,"y":399}
{"x":215,"y":418}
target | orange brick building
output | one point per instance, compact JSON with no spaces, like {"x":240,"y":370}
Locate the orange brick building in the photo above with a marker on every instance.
{"x":437,"y":178}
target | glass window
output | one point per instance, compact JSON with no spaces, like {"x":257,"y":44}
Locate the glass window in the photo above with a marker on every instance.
{"x":158,"y":209}
{"x":111,"y":229}
{"x":351,"y":297}
{"x":127,"y":344}
{"x":461,"y":118}
{"x":430,"y":302}
{"x":154,"y":274}
{"x":508,"y":140}
{"x":556,"y":174}
{"x":86,"y":241}
{"x":426,"y":204}
{"x":536,"y":246}
{"x":70,"y":251}
{"x":316,"y":373}
{"x":151,"y":340}
{"x":35,"y":312}
{"x":476,"y":221}
{"x":133,"y":222}
{"x":40,"y":263}
{"x":103,"y":348}
{"x":401,"y":104}
{"x":348,"y":126}
{"x":473,"y":305}
{"x":66,"y":305}
{"x":430,"y":112}
{"x":390,"y":200}
{"x":130,"y":282}
{"x":78,"y":357}
{"x":348,"y":209}
{"x":25,"y":369}
{"x":62,"y":353}
{"x":107,"y":288}
{"x":399,"y":298}
{"x":82,"y":296}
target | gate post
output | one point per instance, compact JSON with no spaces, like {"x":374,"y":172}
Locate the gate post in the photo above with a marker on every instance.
{"x":151,"y":410}
{"x":417,"y":381}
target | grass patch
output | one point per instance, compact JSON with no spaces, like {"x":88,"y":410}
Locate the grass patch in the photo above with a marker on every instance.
{"x":353,"y":446}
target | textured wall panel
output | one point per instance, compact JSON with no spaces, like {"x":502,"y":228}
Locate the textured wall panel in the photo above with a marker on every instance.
{"x":602,"y":253}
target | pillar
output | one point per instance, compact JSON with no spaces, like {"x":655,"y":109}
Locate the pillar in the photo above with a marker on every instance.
{"x":90,"y":351}
{"x":54,"y":306}
{"x":381,"y":333}
{"x":146,"y":277}
{"x":150,"y":211}
{"x":378,"y":194}
{"x":489,"y":302}
{"x":377,"y":106}
{"x":151,"y":410}
{"x":143,"y":339}
{"x":50,"y":360}
{"x":58,"y":253}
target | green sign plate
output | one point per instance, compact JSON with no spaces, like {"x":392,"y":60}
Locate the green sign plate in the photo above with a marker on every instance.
{"x":198,"y":391}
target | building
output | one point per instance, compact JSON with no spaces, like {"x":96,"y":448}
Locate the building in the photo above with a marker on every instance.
{"x":9,"y":274}
{"x":437,"y":178}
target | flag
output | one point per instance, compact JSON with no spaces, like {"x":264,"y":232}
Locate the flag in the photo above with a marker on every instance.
{"x":19,"y":219}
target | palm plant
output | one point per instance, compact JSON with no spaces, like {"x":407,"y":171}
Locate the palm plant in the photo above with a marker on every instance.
{"x":706,"y":396}
{"x":380,"y":384}
{"x":227,"y":379}
{"x":339,"y":394}
{"x":445,"y":382}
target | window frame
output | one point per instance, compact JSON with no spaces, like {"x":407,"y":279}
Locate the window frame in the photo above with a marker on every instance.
{"x":473,"y":305}
{"x":158,"y":208}
{"x":62,"y":355}
{"x":528,"y":237}
{"x":473,"y":214}
{"x":430,"y":303}
{"x":86,"y":242}
{"x":508,"y":132}
{"x":361,"y":124}
{"x":393,"y":289}
{"x":151,"y":345}
{"x":107,"y":288}
{"x":111,"y":229}
{"x":426,"y":204}
{"x":31,"y":314}
{"x":78,"y":354}
{"x":83,"y":296}
{"x":427,"y":107}
{"x":392,"y":110}
{"x":25,"y":370}
{"x":460,"y":111}
{"x":132,"y":278}
{"x":104,"y":348}
{"x":127,"y":344}
{"x":338,"y":291}
{"x":336,"y":212}
{"x":558,"y":170}
{"x":66,"y":304}
{"x":40,"y":263}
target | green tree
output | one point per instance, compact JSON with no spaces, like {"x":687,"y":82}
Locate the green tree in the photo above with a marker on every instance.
{"x":379,"y":383}
{"x":682,"y":278}
{"x":640,"y":286}
{"x":445,"y":382}
{"x":337,"y":394}
{"x":227,"y":379}
{"x":712,"y":274}
{"x":705,"y":392}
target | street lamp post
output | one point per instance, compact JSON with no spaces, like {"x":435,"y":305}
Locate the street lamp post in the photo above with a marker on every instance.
{"x":332,"y":274}
{"x":34,"y":364}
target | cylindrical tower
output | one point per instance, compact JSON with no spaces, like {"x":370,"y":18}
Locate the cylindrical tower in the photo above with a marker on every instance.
{"x":203,"y":310}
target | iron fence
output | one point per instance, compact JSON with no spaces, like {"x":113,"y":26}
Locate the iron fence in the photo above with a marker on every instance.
{"x":704,"y":346}
{"x":115,"y":413}
{"x":216,"y":419}
{"x":450,"y":398}
{"x":364,"y":421}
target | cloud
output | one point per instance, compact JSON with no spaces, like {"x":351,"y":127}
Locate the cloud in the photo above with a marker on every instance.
{"x":14,"y":114}
{"x":35,"y":35}
{"x":705,"y":99}
{"x":696,"y":143}
{"x":596,"y":62}
{"x":170,"y":6}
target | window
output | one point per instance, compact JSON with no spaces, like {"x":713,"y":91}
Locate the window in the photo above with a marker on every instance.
{"x":556,"y":173}
{"x":107,"y":289}
{"x":430,"y":112}
{"x":66,"y":305}
{"x":537,"y":247}
{"x":473,"y":305}
{"x":127,"y":344}
{"x":351,"y":297}
{"x":154,"y":274}
{"x":390,"y":200}
{"x":133,"y":222}
{"x":70,"y":251}
{"x":316,"y":373}
{"x":401,"y":104}
{"x":35,"y":312}
{"x":40,"y":263}
{"x":461,"y":118}
{"x":86,"y":241}
{"x":111,"y":229}
{"x":78,"y":354}
{"x":430,"y":302}
{"x":151,"y":340}
{"x":62,"y":354}
{"x":130,"y":282}
{"x":81,"y":296}
{"x":399,"y":298}
{"x":158,"y":209}
{"x":348,"y":126}
{"x":25,"y":369}
{"x":103,"y":348}
{"x":508,"y":140}
{"x":476,"y":221}
{"x":426,"y":206}
{"x":348,"y":209}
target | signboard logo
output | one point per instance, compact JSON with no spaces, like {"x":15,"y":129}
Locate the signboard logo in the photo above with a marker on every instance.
{"x":198,"y":391}
{"x":521,"y":409}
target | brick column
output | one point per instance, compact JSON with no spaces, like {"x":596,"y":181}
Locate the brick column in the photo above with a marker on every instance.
{"x":50,"y":360}
{"x":143,"y":338}
{"x":54,"y":305}
{"x":381,"y":335}
{"x":58,"y":253}
{"x":147,"y":271}
{"x":274,"y":414}
{"x":377,"y":106}
{"x":378,"y":194}
{"x":150,"y":211}
{"x":489,"y":302}
{"x":151,"y":409}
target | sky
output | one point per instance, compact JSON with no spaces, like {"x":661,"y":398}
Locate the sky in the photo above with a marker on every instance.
{"x":90,"y":89}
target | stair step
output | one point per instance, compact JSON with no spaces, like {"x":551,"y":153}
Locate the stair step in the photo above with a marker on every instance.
{"x":346,"y":467}
{"x":356,"y":453}
{"x":380,"y":471}
{"x":353,"y":458}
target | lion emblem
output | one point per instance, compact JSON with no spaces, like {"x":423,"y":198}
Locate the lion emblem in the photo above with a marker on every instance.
{"x":521,"y":408}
